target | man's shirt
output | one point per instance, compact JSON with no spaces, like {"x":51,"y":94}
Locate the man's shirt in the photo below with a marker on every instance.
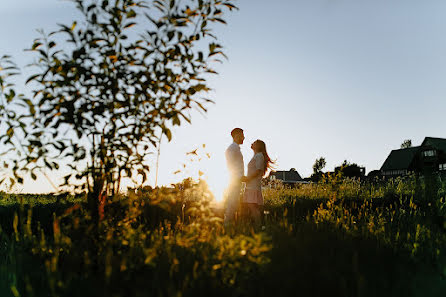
{"x":234,"y":161}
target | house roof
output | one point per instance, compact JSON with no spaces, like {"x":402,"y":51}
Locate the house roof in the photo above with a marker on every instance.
{"x":438,"y":143}
{"x":287,"y":176}
{"x":400,"y":159}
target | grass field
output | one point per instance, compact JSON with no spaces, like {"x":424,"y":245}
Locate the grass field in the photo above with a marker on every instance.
{"x":336,"y":238}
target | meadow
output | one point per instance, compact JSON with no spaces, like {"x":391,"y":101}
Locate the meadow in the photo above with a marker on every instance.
{"x":103,"y":91}
{"x":339,"y":237}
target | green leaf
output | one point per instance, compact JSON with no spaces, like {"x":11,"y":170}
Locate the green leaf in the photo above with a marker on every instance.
{"x":230,"y":6}
{"x":212,"y":47}
{"x":10,"y":132}
{"x":36,"y":45}
{"x":220,"y":20}
{"x":176,"y":121}
{"x":200,"y":87}
{"x":168,"y":133}
{"x":129,"y":25}
{"x":131,"y":14}
{"x":170,"y":35}
{"x":92,"y":6}
{"x":10,"y":96}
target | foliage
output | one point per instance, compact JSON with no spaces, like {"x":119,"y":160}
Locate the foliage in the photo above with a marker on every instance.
{"x":340,"y":237}
{"x":406,"y":144}
{"x":11,"y":121}
{"x":318,"y":165}
{"x":185,"y":254}
{"x":127,"y":71}
{"x":349,"y":170}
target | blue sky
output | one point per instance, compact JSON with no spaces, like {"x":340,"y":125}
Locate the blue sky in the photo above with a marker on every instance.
{"x":342,"y":79}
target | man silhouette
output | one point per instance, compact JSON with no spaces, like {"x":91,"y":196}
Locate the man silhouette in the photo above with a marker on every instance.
{"x":234,"y":161}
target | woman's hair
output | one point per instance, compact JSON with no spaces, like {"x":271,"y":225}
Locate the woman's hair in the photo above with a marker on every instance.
{"x":261,"y":147}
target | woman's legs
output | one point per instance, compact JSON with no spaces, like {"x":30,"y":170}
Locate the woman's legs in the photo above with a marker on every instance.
{"x":254,"y":213}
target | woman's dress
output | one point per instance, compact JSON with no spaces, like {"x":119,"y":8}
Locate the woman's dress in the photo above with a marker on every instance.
{"x":253,"y":190}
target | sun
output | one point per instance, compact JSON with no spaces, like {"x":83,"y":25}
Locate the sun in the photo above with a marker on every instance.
{"x":215,"y":176}
{"x":202,"y":164}
{"x":217,"y":186}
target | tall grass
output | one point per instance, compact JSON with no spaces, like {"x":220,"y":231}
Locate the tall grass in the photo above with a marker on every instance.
{"x":339,"y":238}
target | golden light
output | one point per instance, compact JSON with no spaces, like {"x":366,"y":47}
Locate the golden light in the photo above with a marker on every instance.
{"x":201,"y":164}
{"x":217,"y":185}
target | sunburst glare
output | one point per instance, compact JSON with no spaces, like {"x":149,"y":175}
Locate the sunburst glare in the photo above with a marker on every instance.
{"x":202,"y":164}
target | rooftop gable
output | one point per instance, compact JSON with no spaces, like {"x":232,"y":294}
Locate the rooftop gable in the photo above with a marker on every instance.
{"x":290,"y":175}
{"x":438,"y":143}
{"x":400,"y":159}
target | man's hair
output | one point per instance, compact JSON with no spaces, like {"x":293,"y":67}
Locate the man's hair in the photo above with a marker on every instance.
{"x":236,"y":131}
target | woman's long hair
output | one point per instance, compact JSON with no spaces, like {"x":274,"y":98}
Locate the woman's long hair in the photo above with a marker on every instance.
{"x":261,"y":148}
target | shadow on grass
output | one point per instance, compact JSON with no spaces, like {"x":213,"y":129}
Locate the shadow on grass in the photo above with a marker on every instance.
{"x":306,"y":259}
{"x":320,"y":260}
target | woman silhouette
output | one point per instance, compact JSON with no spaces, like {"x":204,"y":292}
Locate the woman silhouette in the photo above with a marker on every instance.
{"x":257,"y":167}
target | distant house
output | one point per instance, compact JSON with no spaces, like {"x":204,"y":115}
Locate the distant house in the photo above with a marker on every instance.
{"x":287,"y":177}
{"x":399,"y":162}
{"x":430,"y":156}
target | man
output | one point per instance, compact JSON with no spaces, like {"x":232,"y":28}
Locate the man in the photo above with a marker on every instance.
{"x":234,"y":160}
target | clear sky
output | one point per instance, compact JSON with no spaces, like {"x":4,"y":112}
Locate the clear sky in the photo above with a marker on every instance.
{"x":342,"y":79}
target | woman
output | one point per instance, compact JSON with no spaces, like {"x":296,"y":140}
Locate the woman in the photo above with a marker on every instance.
{"x":257,"y":167}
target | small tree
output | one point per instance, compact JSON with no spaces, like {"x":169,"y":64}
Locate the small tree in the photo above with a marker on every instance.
{"x":129,"y":71}
{"x":406,"y":144}
{"x":318,"y":165}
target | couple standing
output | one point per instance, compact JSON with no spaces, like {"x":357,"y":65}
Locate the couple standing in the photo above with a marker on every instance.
{"x":252,"y":201}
